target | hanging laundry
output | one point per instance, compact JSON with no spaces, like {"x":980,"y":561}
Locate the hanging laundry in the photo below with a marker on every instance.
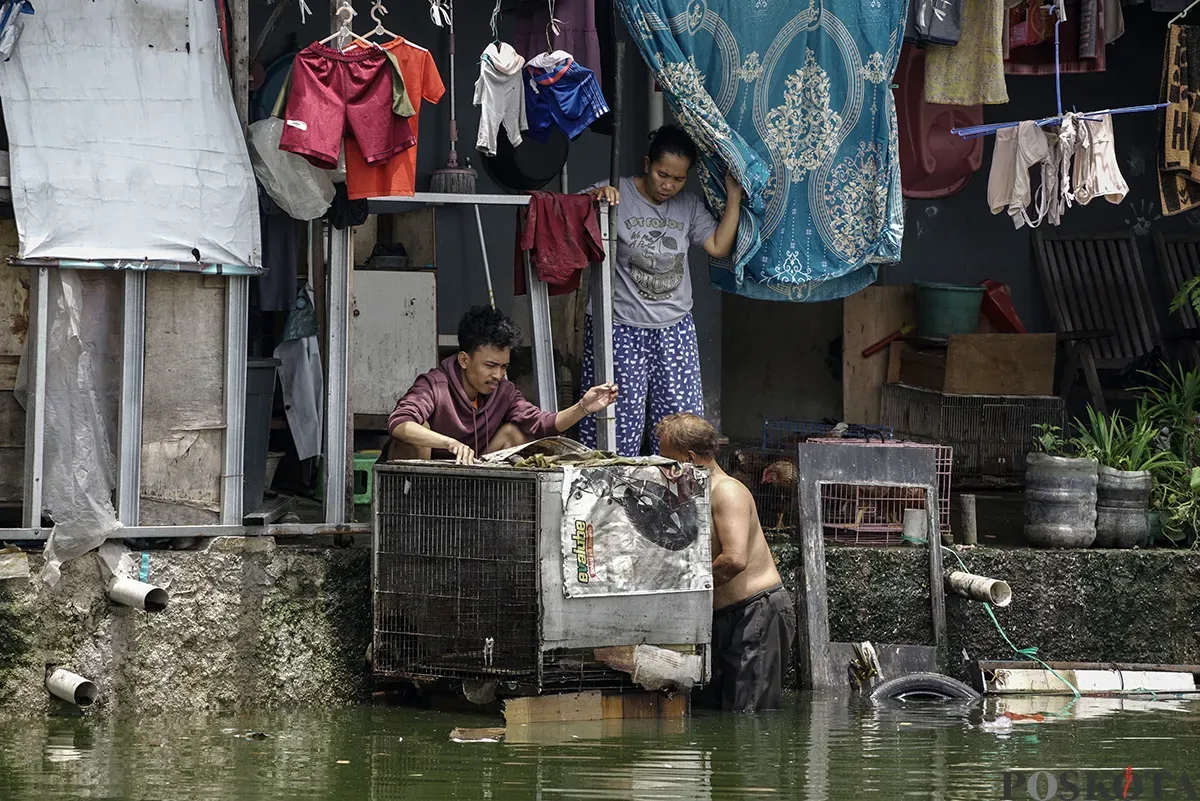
{"x":398,"y":175}
{"x":576,"y":31}
{"x":1029,"y":23}
{"x":500,"y":94}
{"x":1096,"y":173}
{"x":331,"y":90}
{"x":1017,"y":150}
{"x":972,"y":71}
{"x":1179,"y":126}
{"x":300,"y":376}
{"x":1081,"y":43}
{"x":934,"y":22}
{"x":560,"y":92}
{"x":810,"y":91}
{"x":562,"y":235}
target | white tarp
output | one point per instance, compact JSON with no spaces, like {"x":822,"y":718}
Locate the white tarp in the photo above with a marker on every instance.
{"x":123,"y":135}
{"x":632,"y":529}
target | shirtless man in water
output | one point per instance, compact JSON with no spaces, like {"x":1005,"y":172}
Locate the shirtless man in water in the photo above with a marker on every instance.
{"x":754,"y":621}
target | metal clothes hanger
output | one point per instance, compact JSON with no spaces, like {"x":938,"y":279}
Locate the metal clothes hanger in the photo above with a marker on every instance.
{"x":1182,"y":15}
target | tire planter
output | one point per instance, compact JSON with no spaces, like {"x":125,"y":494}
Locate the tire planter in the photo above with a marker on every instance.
{"x":923,"y":687}
{"x":1060,"y":501}
{"x":1122,"y":503}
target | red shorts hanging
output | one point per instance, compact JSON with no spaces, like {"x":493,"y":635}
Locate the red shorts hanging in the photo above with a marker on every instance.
{"x":330,"y":90}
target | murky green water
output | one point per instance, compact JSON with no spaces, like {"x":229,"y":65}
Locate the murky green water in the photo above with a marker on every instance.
{"x":818,"y":749}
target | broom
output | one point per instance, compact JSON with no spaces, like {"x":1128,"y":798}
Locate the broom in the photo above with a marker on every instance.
{"x":453,"y":180}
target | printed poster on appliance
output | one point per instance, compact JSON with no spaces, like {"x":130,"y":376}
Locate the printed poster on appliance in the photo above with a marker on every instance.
{"x":635,"y":529}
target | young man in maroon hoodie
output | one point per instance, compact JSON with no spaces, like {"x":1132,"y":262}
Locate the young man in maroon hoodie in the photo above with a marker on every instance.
{"x":467,"y":405}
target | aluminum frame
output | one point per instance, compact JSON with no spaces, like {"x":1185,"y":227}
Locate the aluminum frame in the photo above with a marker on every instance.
{"x":541,"y":339}
{"x":337,"y":398}
{"x":602,"y":327}
{"x":133,"y":366}
{"x":233,"y":479}
{"x":35,"y":412}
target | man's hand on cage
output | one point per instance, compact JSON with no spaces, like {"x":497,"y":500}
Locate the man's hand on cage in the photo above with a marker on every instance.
{"x":462,"y":454}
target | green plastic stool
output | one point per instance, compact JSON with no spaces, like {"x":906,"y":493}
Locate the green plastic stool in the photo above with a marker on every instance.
{"x":364,"y":476}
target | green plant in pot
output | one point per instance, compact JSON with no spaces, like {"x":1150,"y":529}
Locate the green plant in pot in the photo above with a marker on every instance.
{"x":1177,"y":498}
{"x":1060,"y":492}
{"x":1128,"y":454}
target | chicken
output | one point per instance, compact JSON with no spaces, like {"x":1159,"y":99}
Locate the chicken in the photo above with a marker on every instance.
{"x":782,"y":477}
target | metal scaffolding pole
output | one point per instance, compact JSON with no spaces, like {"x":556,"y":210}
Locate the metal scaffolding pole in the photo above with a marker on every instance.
{"x":133,"y":364}
{"x":337,"y":401}
{"x":541,"y":339}
{"x":35,"y":405}
{"x":602,"y":326}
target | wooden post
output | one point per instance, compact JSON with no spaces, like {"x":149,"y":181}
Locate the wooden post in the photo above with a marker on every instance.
{"x":239,"y":48}
{"x":968,"y":533}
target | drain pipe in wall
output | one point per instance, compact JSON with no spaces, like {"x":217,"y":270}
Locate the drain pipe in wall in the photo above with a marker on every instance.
{"x":137,"y":594}
{"x":72,"y":688}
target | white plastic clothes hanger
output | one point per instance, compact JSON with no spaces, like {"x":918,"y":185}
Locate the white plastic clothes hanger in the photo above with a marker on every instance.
{"x":347,"y":13}
{"x":377,"y":11}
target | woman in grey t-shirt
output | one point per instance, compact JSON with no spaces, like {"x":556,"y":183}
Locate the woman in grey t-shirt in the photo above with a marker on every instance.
{"x":654,"y":337}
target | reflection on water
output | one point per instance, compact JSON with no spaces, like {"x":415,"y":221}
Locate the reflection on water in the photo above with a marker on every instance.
{"x":823,"y":748}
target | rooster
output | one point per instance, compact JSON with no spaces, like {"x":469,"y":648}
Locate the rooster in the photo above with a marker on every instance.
{"x":782,"y":477}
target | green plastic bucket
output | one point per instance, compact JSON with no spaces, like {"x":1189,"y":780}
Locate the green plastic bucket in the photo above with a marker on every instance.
{"x":945,"y":309}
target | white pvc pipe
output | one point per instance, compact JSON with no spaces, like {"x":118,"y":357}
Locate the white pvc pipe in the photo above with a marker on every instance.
{"x":137,"y":594}
{"x":981,"y":588}
{"x":72,"y":688}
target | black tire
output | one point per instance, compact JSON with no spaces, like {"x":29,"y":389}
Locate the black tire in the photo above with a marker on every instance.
{"x":924,"y":687}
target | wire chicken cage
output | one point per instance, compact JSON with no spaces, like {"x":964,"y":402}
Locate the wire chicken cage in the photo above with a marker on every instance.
{"x":789,"y":433}
{"x":770,"y":475}
{"x":853,"y":514}
{"x":467,"y":585}
{"x":456,"y":576}
{"x":859,"y":514}
{"x":991,"y":434}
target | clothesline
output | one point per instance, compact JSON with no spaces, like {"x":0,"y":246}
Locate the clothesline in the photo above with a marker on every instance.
{"x":1060,"y":13}
{"x":984,"y":130}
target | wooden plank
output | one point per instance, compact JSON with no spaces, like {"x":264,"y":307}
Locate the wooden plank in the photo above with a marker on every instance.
{"x":867,"y":317}
{"x":907,"y":365}
{"x":1145,"y":305}
{"x":1108,"y":682}
{"x":1000,"y":364}
{"x":554,"y":708}
{"x":1000,"y":664}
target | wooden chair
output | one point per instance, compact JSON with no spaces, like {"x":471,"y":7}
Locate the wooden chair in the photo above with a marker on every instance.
{"x":1097,"y":294}
{"x":1178,"y":263}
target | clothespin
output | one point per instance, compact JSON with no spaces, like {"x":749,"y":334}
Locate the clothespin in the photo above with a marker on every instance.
{"x":305,"y":11}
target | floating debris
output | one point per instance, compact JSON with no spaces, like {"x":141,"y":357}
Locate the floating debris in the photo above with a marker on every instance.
{"x":490,"y":735}
{"x":253,"y":735}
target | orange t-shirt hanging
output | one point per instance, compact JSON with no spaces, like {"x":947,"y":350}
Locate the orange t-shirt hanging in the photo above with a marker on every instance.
{"x":398,"y":175}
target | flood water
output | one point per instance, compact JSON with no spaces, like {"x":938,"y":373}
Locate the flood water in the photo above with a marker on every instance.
{"x":819,"y":748}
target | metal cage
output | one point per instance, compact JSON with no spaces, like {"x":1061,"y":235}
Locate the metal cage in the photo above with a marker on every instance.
{"x":991,"y":434}
{"x":467,"y":584}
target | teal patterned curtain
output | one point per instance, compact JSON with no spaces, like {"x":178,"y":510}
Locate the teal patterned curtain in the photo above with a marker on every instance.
{"x":795,"y":98}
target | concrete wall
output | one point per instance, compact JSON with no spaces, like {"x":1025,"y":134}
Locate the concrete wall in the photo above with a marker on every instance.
{"x":1089,"y":605}
{"x":248,"y":625}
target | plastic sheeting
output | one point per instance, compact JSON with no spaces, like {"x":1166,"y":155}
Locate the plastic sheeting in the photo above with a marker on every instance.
{"x":82,"y":386}
{"x":635,"y":529}
{"x":124,"y":139}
